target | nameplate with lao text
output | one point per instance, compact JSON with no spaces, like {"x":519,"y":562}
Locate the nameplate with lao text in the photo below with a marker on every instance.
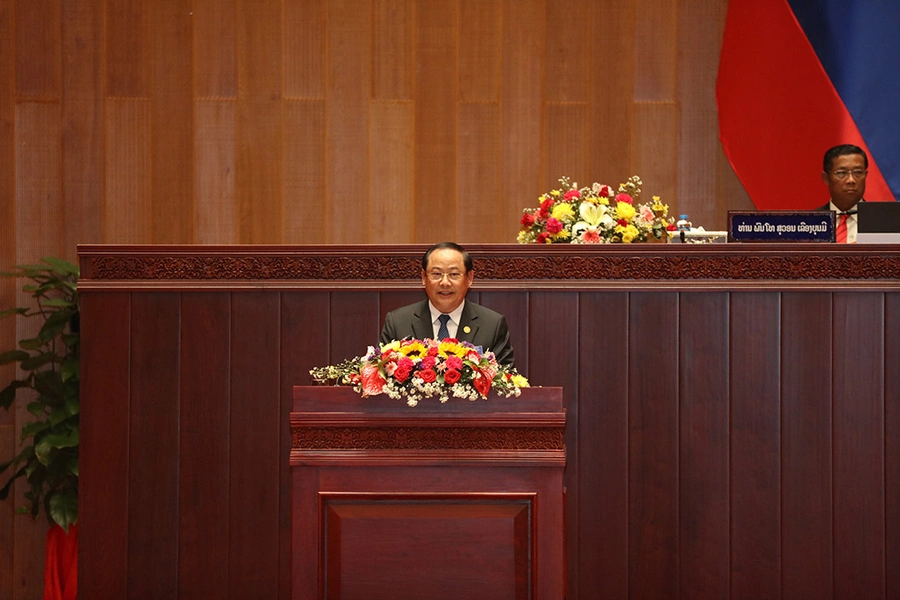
{"x":781,"y":226}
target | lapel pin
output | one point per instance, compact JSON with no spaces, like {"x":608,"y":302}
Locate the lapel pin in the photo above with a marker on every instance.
{"x":467,"y":329}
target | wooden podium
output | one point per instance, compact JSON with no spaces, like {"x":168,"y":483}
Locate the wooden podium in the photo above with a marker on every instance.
{"x":438,"y":501}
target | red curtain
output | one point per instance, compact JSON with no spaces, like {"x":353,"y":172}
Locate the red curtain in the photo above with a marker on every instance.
{"x":61,"y":568}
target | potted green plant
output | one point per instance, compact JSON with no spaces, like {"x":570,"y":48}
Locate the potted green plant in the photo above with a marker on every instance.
{"x":49,"y":381}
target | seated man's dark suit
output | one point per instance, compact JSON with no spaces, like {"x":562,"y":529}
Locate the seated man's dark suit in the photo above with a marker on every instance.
{"x":487,"y":328}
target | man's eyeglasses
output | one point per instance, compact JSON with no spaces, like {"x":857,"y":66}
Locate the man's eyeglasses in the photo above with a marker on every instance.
{"x":438,"y":276}
{"x":857,"y":174}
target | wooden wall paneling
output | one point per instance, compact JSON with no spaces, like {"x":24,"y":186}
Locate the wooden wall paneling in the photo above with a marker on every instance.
{"x":479,"y":50}
{"x":699,"y":35}
{"x":806,"y":449}
{"x":513,"y":306}
{"x":214,"y":151}
{"x":479,"y":173}
{"x":653,"y":476}
{"x":82,"y":124}
{"x":892,"y":444}
{"x":553,"y":326}
{"x":104,"y":453}
{"x":260,"y":158}
{"x":436,"y":123}
{"x":127,"y":49}
{"x":858,"y":445}
{"x":304,"y":345}
{"x":393,"y":50}
{"x":566,"y":145}
{"x":38,"y":48}
{"x":128,"y":216}
{"x":347,"y":102}
{"x":353,"y":322}
{"x":601,"y":557}
{"x":392,"y":208}
{"x":204,"y":449}
{"x":214,"y":48}
{"x":304,"y":34}
{"x":304,"y":172}
{"x":255,"y":440}
{"x":655,"y":50}
{"x":611,"y":78}
{"x":654,"y":160}
{"x":38,"y":182}
{"x":153,"y":445}
{"x":755,"y":453}
{"x":703,"y":445}
{"x":172,"y":122}
{"x":522,"y":97}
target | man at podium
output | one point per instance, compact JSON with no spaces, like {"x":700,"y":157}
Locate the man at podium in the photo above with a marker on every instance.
{"x":447,"y":274}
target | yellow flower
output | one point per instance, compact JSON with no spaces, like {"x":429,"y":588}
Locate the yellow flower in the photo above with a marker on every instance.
{"x":414,"y":348}
{"x":562,"y":235}
{"x":625,"y":211}
{"x":603,"y":200}
{"x":556,"y":193}
{"x":563,"y":212}
{"x":392,"y":346}
{"x":447,"y":348}
{"x":629,"y":233}
{"x":519,"y":380}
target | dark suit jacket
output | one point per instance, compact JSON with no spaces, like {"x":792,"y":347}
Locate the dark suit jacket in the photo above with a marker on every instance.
{"x":487,"y":328}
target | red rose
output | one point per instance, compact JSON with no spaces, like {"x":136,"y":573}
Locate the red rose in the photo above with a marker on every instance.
{"x":572,"y":194}
{"x":427,"y":375}
{"x":624,"y":198}
{"x":604,"y":190}
{"x":402,"y":373}
{"x":546,"y":205}
{"x":543,"y":238}
{"x":451,"y":376}
{"x":527,"y":220}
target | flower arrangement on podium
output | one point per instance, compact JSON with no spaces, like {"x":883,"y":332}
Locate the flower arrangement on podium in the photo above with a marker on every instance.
{"x":415,"y":369}
{"x":595,"y":215}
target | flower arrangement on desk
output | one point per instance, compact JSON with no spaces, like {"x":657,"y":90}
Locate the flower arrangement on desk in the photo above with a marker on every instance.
{"x":415,"y":369}
{"x":595,"y":215}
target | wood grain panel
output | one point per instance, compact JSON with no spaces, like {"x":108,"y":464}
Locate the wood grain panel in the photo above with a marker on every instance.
{"x":392,"y":207}
{"x":349,"y":81}
{"x":304,"y":172}
{"x":552,"y":325}
{"x":214,"y":46}
{"x":566,"y":150}
{"x":480,"y":42}
{"x":82,"y":114}
{"x":214,"y":151}
{"x":172,"y":120}
{"x":393,"y":49}
{"x":523,"y":176}
{"x":479,"y":164}
{"x":611,"y":74}
{"x":858,"y":445}
{"x":514,"y":307}
{"x":655,"y":149}
{"x":38,"y":182}
{"x":436,"y":120}
{"x":892,"y":444}
{"x":260,"y":171}
{"x":806,"y":449}
{"x":700,"y":26}
{"x":255,"y":420}
{"x":703,"y":446}
{"x":655,"y":50}
{"x":203,"y":449}
{"x":568,"y":35}
{"x":153,"y":446}
{"x":127,"y":48}
{"x":104,"y":449}
{"x":353,"y":323}
{"x":755,"y":446}
{"x":128,"y":204}
{"x":653,"y":476}
{"x":38,"y":48}
{"x":601,"y":557}
{"x":305,"y":52}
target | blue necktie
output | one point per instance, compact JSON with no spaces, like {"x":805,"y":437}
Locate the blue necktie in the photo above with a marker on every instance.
{"x":443,"y":332}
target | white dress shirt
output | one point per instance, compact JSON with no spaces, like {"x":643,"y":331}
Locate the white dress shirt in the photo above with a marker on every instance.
{"x":851,"y":222}
{"x":452,"y":324}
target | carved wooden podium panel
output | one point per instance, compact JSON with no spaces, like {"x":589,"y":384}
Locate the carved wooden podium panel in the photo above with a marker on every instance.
{"x":456,"y":500}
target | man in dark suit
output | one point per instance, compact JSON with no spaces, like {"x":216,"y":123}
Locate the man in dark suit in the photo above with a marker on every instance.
{"x":844,"y":171}
{"x":447,"y":275}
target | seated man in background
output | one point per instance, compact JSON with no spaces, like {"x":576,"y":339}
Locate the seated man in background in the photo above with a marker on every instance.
{"x":447,"y":275}
{"x":844,"y":171}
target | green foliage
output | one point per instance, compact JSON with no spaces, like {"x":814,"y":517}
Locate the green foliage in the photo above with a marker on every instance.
{"x":49,"y":365}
